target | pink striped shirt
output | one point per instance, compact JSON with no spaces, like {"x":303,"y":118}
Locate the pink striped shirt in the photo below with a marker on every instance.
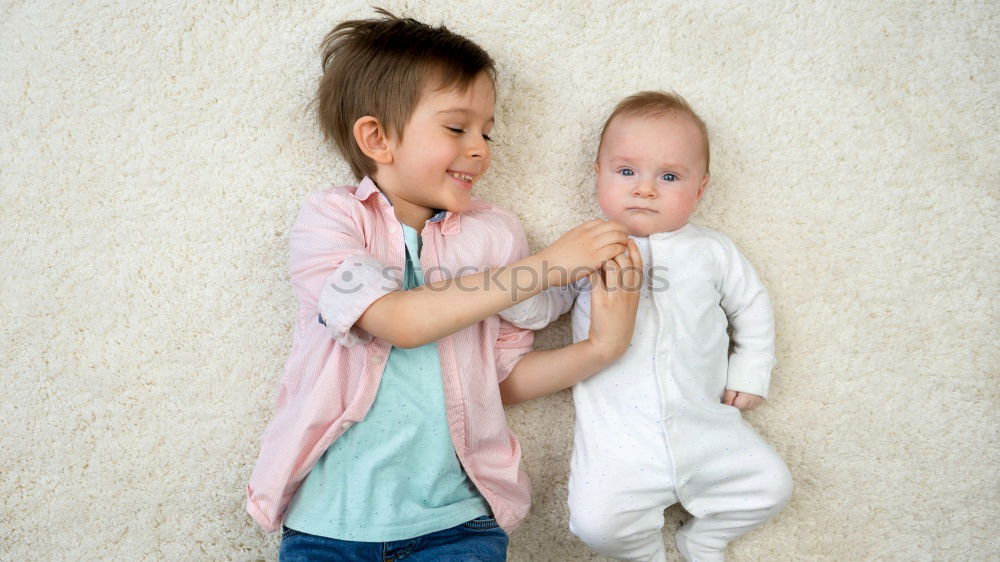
{"x":347,"y":251}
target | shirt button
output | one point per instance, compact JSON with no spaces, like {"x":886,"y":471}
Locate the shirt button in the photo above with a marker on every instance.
{"x":376,"y":359}
{"x":346,"y":425}
{"x":392,"y":229}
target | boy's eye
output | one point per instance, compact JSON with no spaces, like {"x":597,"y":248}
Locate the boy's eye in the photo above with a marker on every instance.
{"x":461,"y":131}
{"x":626,"y":172}
{"x":668,"y":177}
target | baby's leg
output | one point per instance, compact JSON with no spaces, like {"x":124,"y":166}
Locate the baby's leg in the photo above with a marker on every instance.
{"x":617,"y":498}
{"x":730,"y":493}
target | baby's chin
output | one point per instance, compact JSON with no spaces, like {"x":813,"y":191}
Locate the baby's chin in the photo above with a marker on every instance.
{"x":643,"y":224}
{"x":643,"y":230}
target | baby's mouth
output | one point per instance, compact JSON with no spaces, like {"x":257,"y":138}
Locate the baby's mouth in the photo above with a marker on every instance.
{"x":460,"y":176}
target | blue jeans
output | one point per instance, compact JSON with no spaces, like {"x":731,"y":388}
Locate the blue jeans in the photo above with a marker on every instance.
{"x":481,"y":540}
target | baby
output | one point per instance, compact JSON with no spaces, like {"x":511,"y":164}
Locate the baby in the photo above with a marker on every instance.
{"x":662,"y":424}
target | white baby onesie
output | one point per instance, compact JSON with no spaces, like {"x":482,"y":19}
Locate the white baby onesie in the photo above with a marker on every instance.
{"x":651,"y":429}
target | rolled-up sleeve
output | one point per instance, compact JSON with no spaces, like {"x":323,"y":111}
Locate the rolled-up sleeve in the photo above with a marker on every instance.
{"x":511,"y":346}
{"x":332,"y":272}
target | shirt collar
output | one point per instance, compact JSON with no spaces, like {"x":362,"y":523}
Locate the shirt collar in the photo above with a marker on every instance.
{"x":366,"y":188}
{"x":450,"y":222}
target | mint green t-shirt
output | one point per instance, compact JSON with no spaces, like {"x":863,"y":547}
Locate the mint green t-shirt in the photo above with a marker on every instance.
{"x":395,"y":474}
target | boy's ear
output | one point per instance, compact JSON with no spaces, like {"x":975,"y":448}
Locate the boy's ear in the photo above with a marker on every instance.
{"x":372,"y":139}
{"x":701,"y":188}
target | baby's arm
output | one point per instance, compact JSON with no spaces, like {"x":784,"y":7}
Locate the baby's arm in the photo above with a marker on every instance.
{"x":614,"y":301}
{"x":751,"y":317}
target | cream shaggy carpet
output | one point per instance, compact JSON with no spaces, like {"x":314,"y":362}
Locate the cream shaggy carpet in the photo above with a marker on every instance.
{"x":154,"y":155}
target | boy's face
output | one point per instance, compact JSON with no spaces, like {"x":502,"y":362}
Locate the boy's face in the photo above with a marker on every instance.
{"x":650,"y":172}
{"x":442,"y":154}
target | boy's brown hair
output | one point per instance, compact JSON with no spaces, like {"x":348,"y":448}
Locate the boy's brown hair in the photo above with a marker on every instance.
{"x":657,"y":104}
{"x":379,"y":67}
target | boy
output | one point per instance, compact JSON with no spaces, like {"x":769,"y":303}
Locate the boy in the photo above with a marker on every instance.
{"x":663,"y":423}
{"x":389,"y":438}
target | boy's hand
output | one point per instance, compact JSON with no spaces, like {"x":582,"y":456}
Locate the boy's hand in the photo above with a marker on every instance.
{"x":582,"y":251}
{"x":742,"y":400}
{"x":614,"y":299}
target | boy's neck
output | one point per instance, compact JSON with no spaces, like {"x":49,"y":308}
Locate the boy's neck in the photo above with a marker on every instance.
{"x":413,"y":218}
{"x":410,"y":214}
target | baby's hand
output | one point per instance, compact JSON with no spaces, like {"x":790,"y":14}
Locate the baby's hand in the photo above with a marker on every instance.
{"x":582,"y":250}
{"x":614,"y":299}
{"x":742,"y":400}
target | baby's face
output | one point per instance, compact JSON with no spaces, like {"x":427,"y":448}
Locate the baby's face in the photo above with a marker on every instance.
{"x":650,"y":172}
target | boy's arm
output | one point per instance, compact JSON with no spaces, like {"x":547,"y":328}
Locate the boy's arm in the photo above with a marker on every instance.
{"x":751,"y":317}
{"x":614,"y":301}
{"x":542,"y":309}
{"x":429,"y":313}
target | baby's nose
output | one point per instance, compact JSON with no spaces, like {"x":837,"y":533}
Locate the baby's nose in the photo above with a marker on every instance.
{"x":643,"y":189}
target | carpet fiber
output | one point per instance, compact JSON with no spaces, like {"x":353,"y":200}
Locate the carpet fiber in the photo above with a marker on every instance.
{"x":154,"y":155}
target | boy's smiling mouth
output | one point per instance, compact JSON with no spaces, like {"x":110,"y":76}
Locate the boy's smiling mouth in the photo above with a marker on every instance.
{"x":463,"y":177}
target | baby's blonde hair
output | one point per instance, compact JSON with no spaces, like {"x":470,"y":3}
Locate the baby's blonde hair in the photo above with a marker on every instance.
{"x":657,"y":104}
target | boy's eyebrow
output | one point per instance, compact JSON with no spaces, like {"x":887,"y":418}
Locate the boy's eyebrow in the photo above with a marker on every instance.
{"x":461,"y":110}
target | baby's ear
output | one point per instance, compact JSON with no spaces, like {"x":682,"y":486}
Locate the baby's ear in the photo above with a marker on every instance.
{"x":701,"y":188}
{"x":372,"y":139}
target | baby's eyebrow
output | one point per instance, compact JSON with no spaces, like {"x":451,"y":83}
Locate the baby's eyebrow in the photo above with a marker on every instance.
{"x":621,"y":159}
{"x":669,"y":166}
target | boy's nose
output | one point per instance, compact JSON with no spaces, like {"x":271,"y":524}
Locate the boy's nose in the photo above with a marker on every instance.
{"x":478,"y":149}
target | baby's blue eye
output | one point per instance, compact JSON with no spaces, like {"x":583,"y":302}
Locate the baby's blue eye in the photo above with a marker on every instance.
{"x":668,"y":177}
{"x":626,"y":172}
